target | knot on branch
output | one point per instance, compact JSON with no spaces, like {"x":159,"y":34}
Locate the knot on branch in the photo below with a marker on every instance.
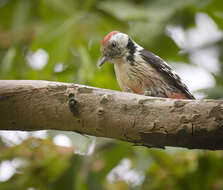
{"x":73,"y":105}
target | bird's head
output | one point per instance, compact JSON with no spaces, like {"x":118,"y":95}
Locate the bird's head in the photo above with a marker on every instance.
{"x":114,"y":47}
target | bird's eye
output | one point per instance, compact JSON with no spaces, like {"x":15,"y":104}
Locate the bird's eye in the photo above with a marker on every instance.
{"x":113,"y":44}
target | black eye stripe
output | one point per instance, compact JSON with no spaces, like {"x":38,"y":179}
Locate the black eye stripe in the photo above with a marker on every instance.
{"x":132,"y":49}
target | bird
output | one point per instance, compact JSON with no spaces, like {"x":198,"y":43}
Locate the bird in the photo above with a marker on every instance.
{"x":140,"y":71}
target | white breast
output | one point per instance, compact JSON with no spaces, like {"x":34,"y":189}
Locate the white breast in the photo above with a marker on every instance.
{"x":122,"y":73}
{"x":126,"y":78}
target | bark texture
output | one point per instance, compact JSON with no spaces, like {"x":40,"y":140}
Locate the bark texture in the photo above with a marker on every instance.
{"x":152,"y":122}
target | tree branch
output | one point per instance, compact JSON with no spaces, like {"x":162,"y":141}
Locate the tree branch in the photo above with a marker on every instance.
{"x":152,"y":122}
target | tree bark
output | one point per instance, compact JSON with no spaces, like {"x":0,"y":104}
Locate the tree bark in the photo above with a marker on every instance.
{"x":148,"y":121}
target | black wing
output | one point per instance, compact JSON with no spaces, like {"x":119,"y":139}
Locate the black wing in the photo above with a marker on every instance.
{"x":162,"y":67}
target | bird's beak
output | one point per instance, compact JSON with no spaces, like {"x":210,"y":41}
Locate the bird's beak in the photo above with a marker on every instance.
{"x":101,"y":61}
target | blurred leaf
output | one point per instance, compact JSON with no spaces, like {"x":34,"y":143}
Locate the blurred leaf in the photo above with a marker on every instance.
{"x":70,"y":176}
{"x":7,"y":62}
{"x":213,"y":93}
{"x":51,"y":9}
{"x":85,"y":73}
{"x":215,"y":10}
{"x":132,"y":12}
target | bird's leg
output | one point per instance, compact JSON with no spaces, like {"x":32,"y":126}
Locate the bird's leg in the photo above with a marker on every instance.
{"x":148,"y":93}
{"x":126,"y":89}
{"x":155,"y":92}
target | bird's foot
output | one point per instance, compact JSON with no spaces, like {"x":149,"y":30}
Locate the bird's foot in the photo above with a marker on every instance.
{"x":148,"y":93}
{"x":127,"y":89}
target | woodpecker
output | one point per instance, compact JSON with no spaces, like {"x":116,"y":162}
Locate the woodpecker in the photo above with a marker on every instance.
{"x":140,"y":71}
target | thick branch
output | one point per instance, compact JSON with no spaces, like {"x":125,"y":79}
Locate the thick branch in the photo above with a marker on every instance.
{"x":158,"y":122}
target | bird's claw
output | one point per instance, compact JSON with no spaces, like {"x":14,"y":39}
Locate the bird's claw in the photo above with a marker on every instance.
{"x":148,"y":93}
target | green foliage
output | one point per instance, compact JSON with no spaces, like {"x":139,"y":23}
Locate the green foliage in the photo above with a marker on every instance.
{"x":70,"y":33}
